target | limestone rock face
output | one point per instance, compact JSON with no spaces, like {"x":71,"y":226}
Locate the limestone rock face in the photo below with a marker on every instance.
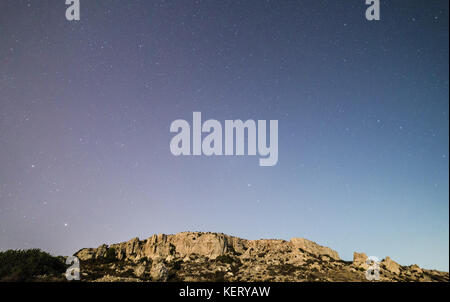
{"x":416,"y":269}
{"x":101,"y":251}
{"x":86,"y":254}
{"x":359,"y":260}
{"x":210,"y":245}
{"x":161,"y":246}
{"x":391,"y":265}
{"x":199,"y":256}
{"x":314,"y":248}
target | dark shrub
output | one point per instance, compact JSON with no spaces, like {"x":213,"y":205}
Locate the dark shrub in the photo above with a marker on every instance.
{"x":110,"y":255}
{"x":225,"y":259}
{"x":26,"y":265}
{"x":177,"y":265}
{"x":143,"y":260}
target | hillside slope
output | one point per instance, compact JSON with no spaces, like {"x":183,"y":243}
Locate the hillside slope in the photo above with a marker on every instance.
{"x":197,"y":256}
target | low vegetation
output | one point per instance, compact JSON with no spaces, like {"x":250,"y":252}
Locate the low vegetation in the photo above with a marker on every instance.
{"x":30,"y":265}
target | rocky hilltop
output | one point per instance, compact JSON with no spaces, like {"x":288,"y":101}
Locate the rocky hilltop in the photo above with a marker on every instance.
{"x":198,"y":256}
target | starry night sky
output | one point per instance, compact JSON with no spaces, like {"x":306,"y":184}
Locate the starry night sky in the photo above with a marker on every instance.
{"x":85,"y":110}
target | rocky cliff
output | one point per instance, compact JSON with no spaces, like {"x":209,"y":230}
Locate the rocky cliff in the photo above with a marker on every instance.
{"x":197,"y":256}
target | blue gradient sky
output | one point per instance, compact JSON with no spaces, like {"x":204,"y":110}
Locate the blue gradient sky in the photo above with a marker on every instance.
{"x":85,"y":110}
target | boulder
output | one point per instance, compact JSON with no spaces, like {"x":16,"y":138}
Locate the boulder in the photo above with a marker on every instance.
{"x":159,"y":272}
{"x":360,"y":260}
{"x":139,"y":270}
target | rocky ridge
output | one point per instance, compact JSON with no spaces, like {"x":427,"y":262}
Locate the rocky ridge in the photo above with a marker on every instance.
{"x":198,"y":256}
